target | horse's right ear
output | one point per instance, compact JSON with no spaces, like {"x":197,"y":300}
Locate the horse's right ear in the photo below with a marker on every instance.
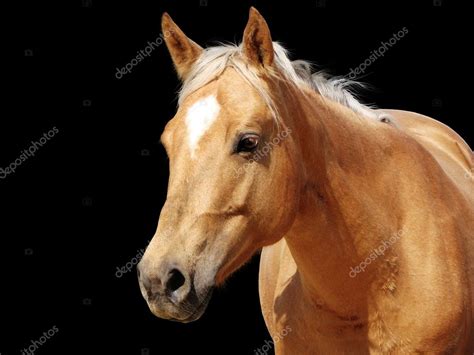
{"x":184,"y":52}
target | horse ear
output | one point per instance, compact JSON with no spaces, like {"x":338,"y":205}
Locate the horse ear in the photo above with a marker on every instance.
{"x":184,"y":52}
{"x":257,"y":41}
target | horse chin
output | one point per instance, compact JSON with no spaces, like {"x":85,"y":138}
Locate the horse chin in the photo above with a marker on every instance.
{"x":189,"y":311}
{"x":200,"y":305}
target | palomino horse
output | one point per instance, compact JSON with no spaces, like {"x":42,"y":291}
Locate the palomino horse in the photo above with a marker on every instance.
{"x":365,"y":217}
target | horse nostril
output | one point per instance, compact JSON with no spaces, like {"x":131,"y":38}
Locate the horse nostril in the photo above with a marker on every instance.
{"x":175,"y":281}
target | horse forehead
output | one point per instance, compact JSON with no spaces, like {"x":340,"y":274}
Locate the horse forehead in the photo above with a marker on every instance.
{"x":199,"y":118}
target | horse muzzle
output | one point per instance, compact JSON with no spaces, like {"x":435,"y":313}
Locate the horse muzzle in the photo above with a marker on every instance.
{"x":171,"y":293}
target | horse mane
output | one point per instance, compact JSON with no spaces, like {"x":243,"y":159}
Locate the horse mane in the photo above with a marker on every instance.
{"x":215,"y":59}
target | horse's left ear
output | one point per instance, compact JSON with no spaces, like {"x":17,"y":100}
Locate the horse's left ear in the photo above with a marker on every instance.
{"x":257,"y":42}
{"x":184,"y":52}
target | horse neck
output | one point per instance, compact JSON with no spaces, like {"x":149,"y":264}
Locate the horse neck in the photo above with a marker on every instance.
{"x":338,"y":222}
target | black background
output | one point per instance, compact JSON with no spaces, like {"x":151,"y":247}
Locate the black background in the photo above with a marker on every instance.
{"x":90,"y":198}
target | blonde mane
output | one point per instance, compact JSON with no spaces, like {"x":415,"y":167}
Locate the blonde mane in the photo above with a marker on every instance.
{"x":215,"y":59}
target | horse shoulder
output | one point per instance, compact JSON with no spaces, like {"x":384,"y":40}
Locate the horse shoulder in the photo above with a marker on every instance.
{"x":448,"y":234}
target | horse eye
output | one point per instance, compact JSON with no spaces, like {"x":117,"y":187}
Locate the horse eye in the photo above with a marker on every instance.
{"x":248,"y":143}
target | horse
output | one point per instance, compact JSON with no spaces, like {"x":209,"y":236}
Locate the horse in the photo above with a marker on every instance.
{"x":364,"y":217}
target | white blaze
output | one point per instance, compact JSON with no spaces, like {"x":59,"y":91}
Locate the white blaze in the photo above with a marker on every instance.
{"x":199,"y":118}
